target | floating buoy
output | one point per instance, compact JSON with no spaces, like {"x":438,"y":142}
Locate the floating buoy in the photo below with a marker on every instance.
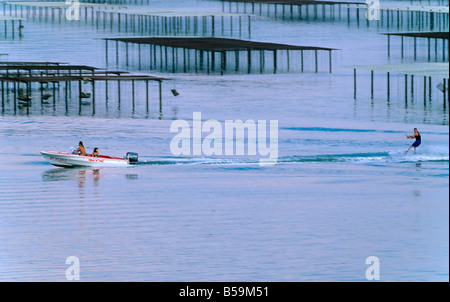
{"x":23,"y":97}
{"x":85,"y":95}
{"x":46,"y":95}
{"x":441,"y":87}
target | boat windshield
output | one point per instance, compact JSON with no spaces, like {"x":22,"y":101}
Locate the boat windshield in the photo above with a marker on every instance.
{"x":71,"y":150}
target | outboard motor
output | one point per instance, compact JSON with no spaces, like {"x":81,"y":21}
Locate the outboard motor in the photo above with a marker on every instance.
{"x":132,"y":157}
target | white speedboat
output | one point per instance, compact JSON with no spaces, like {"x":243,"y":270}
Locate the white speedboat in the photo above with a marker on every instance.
{"x":69,"y":159}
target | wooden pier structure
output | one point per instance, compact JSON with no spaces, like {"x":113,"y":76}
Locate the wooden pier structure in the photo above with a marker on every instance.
{"x":10,"y":25}
{"x":175,"y":22}
{"x":25,"y":77}
{"x":217,"y":55}
{"x":415,"y":17}
{"x":301,"y":9}
{"x":142,"y":21}
{"x":428,"y":36}
{"x":410,"y":72}
{"x":54,"y":11}
{"x":427,"y":17}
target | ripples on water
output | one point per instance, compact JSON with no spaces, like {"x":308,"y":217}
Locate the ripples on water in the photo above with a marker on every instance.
{"x":184,"y":218}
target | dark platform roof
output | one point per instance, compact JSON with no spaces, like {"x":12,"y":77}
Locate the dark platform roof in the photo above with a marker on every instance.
{"x":50,"y":79}
{"x":46,"y":67}
{"x":297,"y":2}
{"x":30,"y":63}
{"x":214,"y":44}
{"x":434,"y":35}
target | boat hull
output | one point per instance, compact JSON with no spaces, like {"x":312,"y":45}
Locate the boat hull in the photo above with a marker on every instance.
{"x":60,"y":159}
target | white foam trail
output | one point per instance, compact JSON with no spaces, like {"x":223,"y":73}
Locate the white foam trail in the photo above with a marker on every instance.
{"x":423,"y":153}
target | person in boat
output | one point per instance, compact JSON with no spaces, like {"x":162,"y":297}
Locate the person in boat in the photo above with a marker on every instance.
{"x":81,"y":150}
{"x":95,"y":152}
{"x":418,"y":140}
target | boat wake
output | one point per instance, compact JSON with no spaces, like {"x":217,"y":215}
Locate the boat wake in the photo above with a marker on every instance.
{"x":382,"y":157}
{"x":394,"y":156}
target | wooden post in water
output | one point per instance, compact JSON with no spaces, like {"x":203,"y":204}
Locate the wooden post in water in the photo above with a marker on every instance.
{"x":249,"y":61}
{"x":415,"y":48}
{"x":174,"y":54}
{"x":444,"y":92}
{"x":301,"y":59}
{"x":93,"y":91}
{"x":222,"y":62}
{"x":160,"y":96}
{"x":118,"y":94}
{"x":213,"y":60}
{"x":132,"y":93}
{"x":139,"y":56}
{"x":106,"y":92}
{"x":429,"y":88}
{"x":261,"y":65}
{"x":184,"y":60}
{"x":126,"y":54}
{"x":406,"y":87}
{"x":249,"y":27}
{"x":41,"y":88}
{"x":106,"y":52}
{"x":146,"y":94}
{"x":388,"y":86}
{"x":389,"y":45}
{"x":3,"y":95}
{"x":371,"y":84}
{"x":402,"y":46}
{"x":79,"y":91}
{"x":315,"y":61}
{"x":424,"y":90}
{"x":275,"y":61}
{"x":329,"y":60}
{"x":288,"y":63}
{"x":93,"y":97}
{"x":207,"y":62}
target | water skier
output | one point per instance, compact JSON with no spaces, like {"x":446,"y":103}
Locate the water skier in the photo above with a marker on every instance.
{"x":418,"y":141}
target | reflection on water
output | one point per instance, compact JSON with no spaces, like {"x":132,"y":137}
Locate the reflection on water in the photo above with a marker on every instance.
{"x":79,"y":174}
{"x":131,"y":176}
{"x":86,"y":180}
{"x":63,"y":174}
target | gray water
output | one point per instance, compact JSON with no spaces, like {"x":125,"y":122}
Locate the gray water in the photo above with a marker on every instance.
{"x":343,"y":188}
